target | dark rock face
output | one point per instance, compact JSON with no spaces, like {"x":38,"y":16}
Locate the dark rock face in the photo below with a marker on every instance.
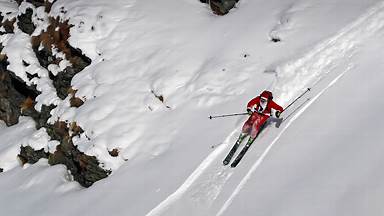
{"x":7,"y":25}
{"x":17,"y":98}
{"x":222,"y":7}
{"x":62,"y":82}
{"x":59,"y":39}
{"x":13,"y":94}
{"x":275,"y":39}
{"x":30,"y":155}
{"x":38,"y":3}
{"x":25,"y":23}
{"x":76,"y":102}
{"x":41,"y":117}
{"x":114,"y":152}
{"x":85,"y":169}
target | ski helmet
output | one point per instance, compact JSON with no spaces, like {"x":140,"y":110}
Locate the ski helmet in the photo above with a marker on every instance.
{"x":267,"y":94}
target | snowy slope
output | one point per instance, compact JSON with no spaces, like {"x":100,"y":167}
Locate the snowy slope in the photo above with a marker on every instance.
{"x":328,"y":163}
{"x":203,"y":64}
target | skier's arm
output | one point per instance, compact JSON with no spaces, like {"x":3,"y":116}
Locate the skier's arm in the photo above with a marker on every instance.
{"x":276,"y":107}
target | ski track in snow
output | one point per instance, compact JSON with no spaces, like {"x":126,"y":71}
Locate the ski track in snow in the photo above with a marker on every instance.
{"x":207,"y":181}
{"x":268,"y":149}
{"x":211,"y":183}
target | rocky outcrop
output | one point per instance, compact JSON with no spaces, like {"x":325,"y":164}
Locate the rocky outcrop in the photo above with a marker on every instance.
{"x":7,"y":25}
{"x":85,"y":169}
{"x":29,"y":155}
{"x":24,"y":22}
{"x":57,"y":35}
{"x":114,"y":152}
{"x":17,"y":98}
{"x":221,"y":7}
{"x":38,"y":3}
{"x":13,"y":94}
{"x":9,"y":97}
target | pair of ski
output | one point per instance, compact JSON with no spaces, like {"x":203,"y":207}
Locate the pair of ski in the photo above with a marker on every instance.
{"x":242,"y":152}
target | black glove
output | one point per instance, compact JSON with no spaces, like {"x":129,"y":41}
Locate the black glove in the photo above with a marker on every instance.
{"x":277,"y":114}
{"x":249,"y":111}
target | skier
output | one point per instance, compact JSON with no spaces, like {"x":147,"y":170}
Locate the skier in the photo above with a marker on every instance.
{"x":260,"y":109}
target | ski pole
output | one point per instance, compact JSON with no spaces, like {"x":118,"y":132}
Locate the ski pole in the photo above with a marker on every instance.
{"x":308,"y":89}
{"x":220,"y":116}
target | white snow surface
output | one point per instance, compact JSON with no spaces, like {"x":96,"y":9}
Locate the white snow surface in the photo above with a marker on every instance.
{"x":323,"y":159}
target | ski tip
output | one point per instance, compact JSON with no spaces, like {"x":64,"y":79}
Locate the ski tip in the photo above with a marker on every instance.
{"x":225,"y":163}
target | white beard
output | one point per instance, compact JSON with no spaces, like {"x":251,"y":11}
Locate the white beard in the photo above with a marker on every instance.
{"x":262,"y":107}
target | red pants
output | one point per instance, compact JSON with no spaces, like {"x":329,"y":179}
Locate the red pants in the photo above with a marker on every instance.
{"x":253,"y":124}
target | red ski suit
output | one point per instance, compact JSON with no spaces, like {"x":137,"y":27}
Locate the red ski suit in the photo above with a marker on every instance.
{"x":256,"y":120}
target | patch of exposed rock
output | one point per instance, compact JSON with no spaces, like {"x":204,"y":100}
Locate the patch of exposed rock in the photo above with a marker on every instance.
{"x":24,"y":22}
{"x":15,"y":95}
{"x":6,"y":24}
{"x":221,"y":7}
{"x":56,"y":36}
{"x":17,"y":98}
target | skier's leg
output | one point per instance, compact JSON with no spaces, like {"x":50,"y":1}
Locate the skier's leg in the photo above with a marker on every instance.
{"x":256,"y":126}
{"x":234,"y":148}
{"x":242,"y":136}
{"x":247,"y":127}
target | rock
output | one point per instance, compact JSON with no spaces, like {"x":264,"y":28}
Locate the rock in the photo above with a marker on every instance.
{"x":44,"y":55}
{"x":41,"y":117}
{"x":78,"y":59}
{"x":222,"y":7}
{"x":85,"y":169}
{"x":1,"y":170}
{"x":13,"y":92}
{"x":25,"y":23}
{"x":114,"y":152}
{"x":57,"y":35}
{"x":17,"y":98}
{"x":75,"y":129}
{"x":7,"y":25}
{"x":275,"y":39}
{"x":29,"y":155}
{"x":38,"y":3}
{"x":62,"y":82}
{"x":76,"y":102}
{"x":8,"y":114}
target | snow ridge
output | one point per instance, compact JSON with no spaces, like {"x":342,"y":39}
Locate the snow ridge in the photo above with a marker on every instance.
{"x":306,"y":71}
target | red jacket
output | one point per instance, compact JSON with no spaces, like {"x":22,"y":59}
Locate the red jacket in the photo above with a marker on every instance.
{"x":255,"y":102}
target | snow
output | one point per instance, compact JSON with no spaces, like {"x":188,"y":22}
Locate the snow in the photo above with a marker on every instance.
{"x":336,"y":173}
{"x":202,"y":65}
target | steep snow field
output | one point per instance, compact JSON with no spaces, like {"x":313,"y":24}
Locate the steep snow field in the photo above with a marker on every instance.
{"x":323,"y":159}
